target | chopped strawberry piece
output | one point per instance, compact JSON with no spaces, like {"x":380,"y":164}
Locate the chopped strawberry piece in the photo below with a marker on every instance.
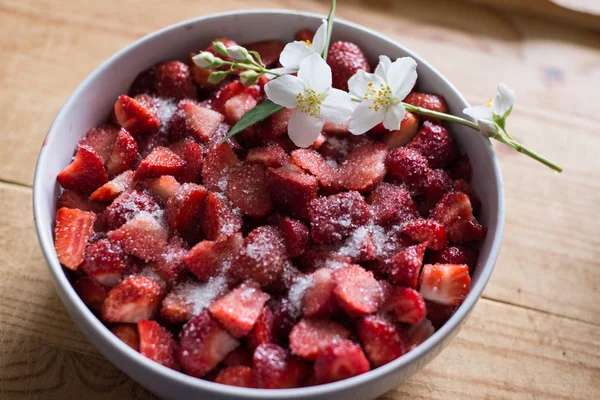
{"x":163,"y":188}
{"x":436,"y":144}
{"x":173,"y":79}
{"x":271,"y":155}
{"x":420,"y":332}
{"x":219,"y":218}
{"x":405,"y":267}
{"x":134,"y":117}
{"x":275,"y":368}
{"x":340,"y":360}
{"x":331,"y":128}
{"x":277,"y":123}
{"x":332,"y":218}
{"x":203,"y":344}
{"x":134,"y":299}
{"x":239,"y":310}
{"x":296,"y":235}
{"x":391,"y":205}
{"x":408,"y":166}
{"x":345,"y":59}
{"x":446,"y":284}
{"x":191,"y":119}
{"x":240,"y":356}
{"x":408,"y":130}
{"x":461,"y":168}
{"x":71,"y":235}
{"x":184,"y":210}
{"x":357,"y":291}
{"x":161,"y":161}
{"x":217,"y":164}
{"x":143,"y":83}
{"x":158,"y":344}
{"x":455,"y":213}
{"x":85,"y":174}
{"x":220,"y":96}
{"x":101,"y":140}
{"x":364,"y":167}
{"x":90,"y":292}
{"x":148,"y":142}
{"x":112,"y":189}
{"x":465,"y":187}
{"x":427,"y":231}
{"x":382,"y":340}
{"x":360,"y":246}
{"x":168,"y":266}
{"x":304,"y":35}
{"x":104,"y":262}
{"x":313,"y":162}
{"x":128,"y":334}
{"x":143,"y":237}
{"x":429,"y":101}
{"x":407,"y":304}
{"x":126,"y":206}
{"x":314,"y":259}
{"x":176,"y":307}
{"x":70,"y":199}
{"x":262,"y":256}
{"x":312,"y":334}
{"x":438,"y":314}
{"x":318,"y":299}
{"x":207,"y":258}
{"x":191,"y":153}
{"x":268,"y":50}
{"x":247,"y":190}
{"x":263,"y":329}
{"x":237,"y":106}
{"x":124,"y":154}
{"x":458,"y":254}
{"x":292,"y":189}
{"x":240,"y":376}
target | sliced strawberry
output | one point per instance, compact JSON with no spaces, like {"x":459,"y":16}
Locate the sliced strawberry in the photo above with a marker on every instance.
{"x":331,"y":128}
{"x":277,"y":123}
{"x":438,"y":314}
{"x":124,"y":154}
{"x":203,"y":344}
{"x":340,"y":360}
{"x":104,"y":262}
{"x":275,"y":368}
{"x":158,"y":344}
{"x":237,"y":106}
{"x":168,"y":266}
{"x":247,"y":190}
{"x":143,"y":83}
{"x":163,"y":188}
{"x":134,"y":299}
{"x":239,"y":309}
{"x":128,"y":334}
{"x":364,"y":167}
{"x":161,"y":161}
{"x":207,"y":258}
{"x":191,"y":153}
{"x":408,"y":130}
{"x":438,"y":183}
{"x":446,"y":284}
{"x":405,"y":267}
{"x":148,"y":142}
{"x":313,"y":162}
{"x":391,"y":205}
{"x":220,"y":96}
{"x":408,"y":166}
{"x":292,"y":189}
{"x":455,"y":213}
{"x":217,"y":164}
{"x":191,"y":119}
{"x":461,"y":168}
{"x":429,"y":101}
{"x":219,"y":218}
{"x":112,"y":189}
{"x":268,"y":50}
{"x":420,"y":332}
{"x":311,"y":334}
{"x":465,"y":187}
{"x":70,"y":199}
{"x":240,"y":356}
{"x":173,"y":79}
{"x":263,"y":330}
{"x":316,"y":258}
{"x":240,"y":376}
{"x":296,"y":235}
{"x":85,"y":174}
{"x":407,"y":304}
{"x":262,"y":257}
{"x":427,"y":231}
{"x":319,"y":141}
{"x":143,"y":237}
{"x":318,"y":299}
{"x":436,"y":144}
{"x":345,"y":59}
{"x":271,"y":155}
{"x":126,"y":206}
{"x":101,"y":140}
{"x":382,"y":340}
{"x":71,"y":235}
{"x":90,"y":292}
{"x":357,"y":291}
{"x":185,"y":209}
{"x":360,"y":246}
{"x":134,"y":117}
{"x":333,"y":218}
{"x":177,"y":307}
{"x":458,"y":254}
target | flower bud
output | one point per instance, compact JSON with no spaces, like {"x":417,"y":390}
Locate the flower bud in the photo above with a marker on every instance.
{"x":239,"y":53}
{"x":204,"y":60}
{"x":249,"y":77}
{"x":217,"y":76}
{"x":220,"y":48}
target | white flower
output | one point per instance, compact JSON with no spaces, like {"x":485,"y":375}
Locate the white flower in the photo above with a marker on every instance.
{"x":494,"y":112}
{"x":293,"y":53}
{"x":313,"y":99}
{"x":237,"y":53}
{"x":381,"y":94}
{"x":204,"y":59}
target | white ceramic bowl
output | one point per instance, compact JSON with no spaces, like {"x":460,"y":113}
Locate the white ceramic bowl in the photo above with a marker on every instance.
{"x":90,"y":105}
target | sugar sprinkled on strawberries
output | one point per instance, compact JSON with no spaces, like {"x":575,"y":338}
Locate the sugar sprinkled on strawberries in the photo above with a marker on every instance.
{"x":202,"y":295}
{"x":296,"y":293}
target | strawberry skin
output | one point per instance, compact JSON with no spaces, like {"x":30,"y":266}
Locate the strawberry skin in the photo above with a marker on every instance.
{"x":85,"y":174}
{"x":158,"y":344}
{"x":312,"y":334}
{"x":446,"y":284}
{"x":134,"y":299}
{"x":161,"y":161}
{"x":382,"y":340}
{"x":275,"y":368}
{"x":345,"y":59}
{"x":91,"y":292}
{"x":173,"y":79}
{"x":407,"y":304}
{"x":340,"y":360}
{"x":124,"y":154}
{"x":128,"y":333}
{"x":238,"y":375}
{"x":134,"y":117}
{"x":72,"y":233}
{"x":104,"y":262}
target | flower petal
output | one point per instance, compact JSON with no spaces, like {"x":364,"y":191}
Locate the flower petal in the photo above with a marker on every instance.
{"x":479,"y":113}
{"x":280,"y":71}
{"x":359,"y":82}
{"x":337,"y":107}
{"x":315,"y":72}
{"x":318,"y":42}
{"x":383,"y":66}
{"x":304,"y":129}
{"x":393,"y":117}
{"x":487,"y":128}
{"x":365,"y":118}
{"x":293,"y":53}
{"x":283,"y":90}
{"x":401,"y":76}
{"x":504,"y":101}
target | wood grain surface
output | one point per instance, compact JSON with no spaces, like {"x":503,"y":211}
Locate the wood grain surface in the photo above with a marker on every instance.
{"x":536,"y":333}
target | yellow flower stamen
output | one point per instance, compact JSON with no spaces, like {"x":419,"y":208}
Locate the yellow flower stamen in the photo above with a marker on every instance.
{"x":309,"y":102}
{"x":381,"y":96}
{"x":308,"y":43}
{"x":488,"y":103}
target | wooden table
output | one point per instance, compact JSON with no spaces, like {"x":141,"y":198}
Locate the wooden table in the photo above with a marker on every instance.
{"x":536,"y":332}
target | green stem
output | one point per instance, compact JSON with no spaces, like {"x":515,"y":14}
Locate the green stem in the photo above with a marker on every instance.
{"x":435,"y":114}
{"x":256,"y":68}
{"x":524,"y":150}
{"x":329,"y":29}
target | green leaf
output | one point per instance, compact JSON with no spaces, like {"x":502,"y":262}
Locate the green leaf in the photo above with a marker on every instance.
{"x":257,"y":114}
{"x":329,"y":29}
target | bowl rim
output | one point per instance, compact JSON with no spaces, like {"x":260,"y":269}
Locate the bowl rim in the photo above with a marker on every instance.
{"x":94,"y":324}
